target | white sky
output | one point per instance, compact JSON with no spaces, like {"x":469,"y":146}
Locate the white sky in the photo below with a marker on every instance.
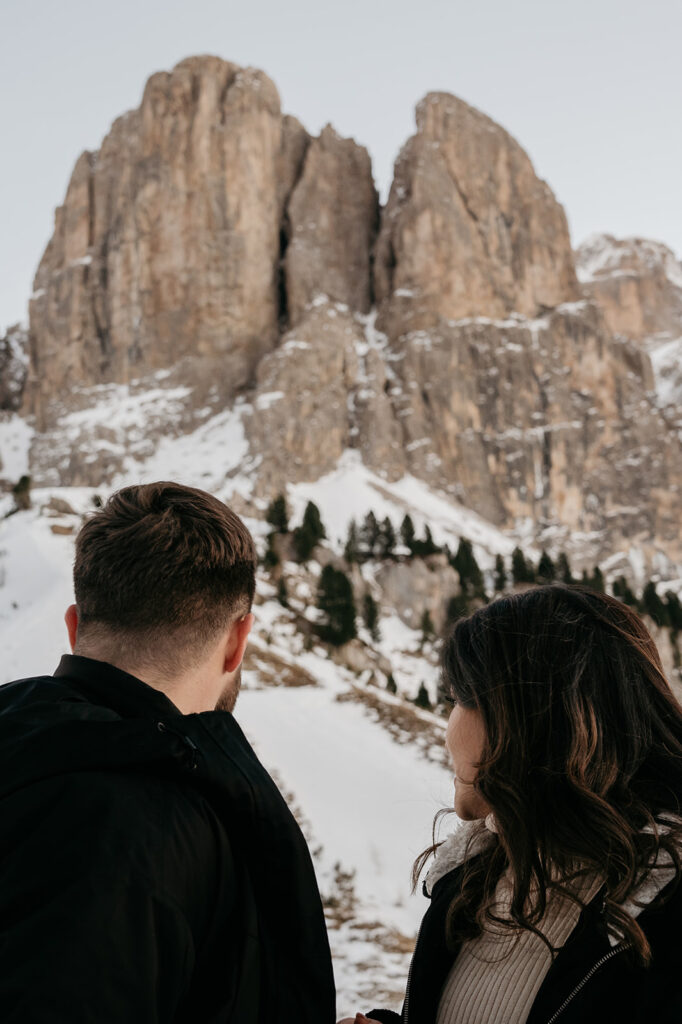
{"x":592,"y":89}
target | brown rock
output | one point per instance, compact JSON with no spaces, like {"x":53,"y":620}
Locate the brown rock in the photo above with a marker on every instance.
{"x":62,"y":529}
{"x":321,"y":392}
{"x":548,"y":422}
{"x":636,"y":282}
{"x":208,"y":224}
{"x":469,"y":228}
{"x":416,"y":586}
{"x":551,"y":421}
{"x":58,"y":506}
{"x":13,"y":367}
{"x":332,"y":222}
{"x":167,"y":246}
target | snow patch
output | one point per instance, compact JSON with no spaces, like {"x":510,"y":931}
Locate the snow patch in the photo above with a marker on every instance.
{"x":351,"y":490}
{"x":15,"y":442}
{"x":213,"y":457}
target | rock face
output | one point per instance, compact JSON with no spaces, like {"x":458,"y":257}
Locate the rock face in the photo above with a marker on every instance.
{"x":551,"y":422}
{"x":177,"y":211}
{"x":636,"y":282}
{"x":168,"y":246}
{"x":418,"y":586}
{"x":333,"y":218}
{"x":323,"y":391}
{"x":13,"y":367}
{"x":213,"y":248}
{"x":469,"y":228}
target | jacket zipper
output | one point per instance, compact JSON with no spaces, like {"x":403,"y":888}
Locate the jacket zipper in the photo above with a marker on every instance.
{"x":592,"y":971}
{"x":403,"y":1016}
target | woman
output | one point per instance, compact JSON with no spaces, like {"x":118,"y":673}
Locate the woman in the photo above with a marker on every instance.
{"x":558,"y":900}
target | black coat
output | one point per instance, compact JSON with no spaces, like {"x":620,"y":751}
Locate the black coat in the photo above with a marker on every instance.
{"x":150,"y":870}
{"x":594,"y":983}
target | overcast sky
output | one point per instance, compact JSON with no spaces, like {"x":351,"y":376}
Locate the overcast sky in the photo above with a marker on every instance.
{"x":592,"y":89}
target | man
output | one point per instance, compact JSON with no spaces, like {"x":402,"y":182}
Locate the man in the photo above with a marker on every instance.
{"x":150,"y":871}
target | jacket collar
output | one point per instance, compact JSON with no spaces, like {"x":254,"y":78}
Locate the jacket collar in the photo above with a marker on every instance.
{"x":105,"y":684}
{"x":469,"y":839}
{"x":473,"y":837}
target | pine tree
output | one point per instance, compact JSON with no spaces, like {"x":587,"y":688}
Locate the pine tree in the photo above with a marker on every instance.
{"x":563,"y":569}
{"x":621,"y":590}
{"x":596,"y":580}
{"x":277,"y":514}
{"x":271,"y":558}
{"x":351,"y":551}
{"x":470,"y":575}
{"x":425,"y":546}
{"x":407,"y":534}
{"x":457,"y":607}
{"x":370,"y":615}
{"x":653,"y":605}
{"x":546,"y":570}
{"x":386,"y":539}
{"x":500,"y":575}
{"x":303,"y":543}
{"x":309,"y":533}
{"x":422,"y":699}
{"x":426,"y":626}
{"x":429,"y":545}
{"x":335,"y":600}
{"x":390,"y":683}
{"x":522,"y":571}
{"x":312,"y":522}
{"x":282,"y":594}
{"x":22,"y":492}
{"x":369,"y":535}
{"x":674,"y":609}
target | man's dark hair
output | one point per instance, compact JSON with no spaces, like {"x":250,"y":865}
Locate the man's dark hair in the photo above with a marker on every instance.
{"x":160,"y":570}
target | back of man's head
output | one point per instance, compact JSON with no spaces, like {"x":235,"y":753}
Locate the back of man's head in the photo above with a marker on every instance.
{"x":160,"y":571}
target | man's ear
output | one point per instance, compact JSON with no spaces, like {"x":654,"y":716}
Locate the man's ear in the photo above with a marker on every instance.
{"x":71,"y":620}
{"x":239,"y":634}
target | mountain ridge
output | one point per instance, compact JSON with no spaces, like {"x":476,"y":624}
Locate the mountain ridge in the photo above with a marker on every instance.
{"x":214,"y":253}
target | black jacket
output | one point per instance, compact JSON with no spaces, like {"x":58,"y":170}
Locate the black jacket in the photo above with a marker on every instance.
{"x":589,"y":982}
{"x":150,"y":870}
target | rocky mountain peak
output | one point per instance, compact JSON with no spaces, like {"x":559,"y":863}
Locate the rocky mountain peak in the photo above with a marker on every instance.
{"x":204,"y":223}
{"x":214,"y":264}
{"x":469,"y":229}
{"x":637,"y":282}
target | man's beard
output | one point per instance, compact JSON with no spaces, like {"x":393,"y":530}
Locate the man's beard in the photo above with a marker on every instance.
{"x":228,"y":698}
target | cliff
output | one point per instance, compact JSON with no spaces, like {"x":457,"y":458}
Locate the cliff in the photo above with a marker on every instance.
{"x":215,"y":252}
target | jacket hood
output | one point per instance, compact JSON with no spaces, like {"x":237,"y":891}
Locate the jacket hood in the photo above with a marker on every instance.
{"x":48,"y":728}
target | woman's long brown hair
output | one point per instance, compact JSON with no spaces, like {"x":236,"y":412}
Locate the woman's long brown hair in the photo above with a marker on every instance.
{"x":583,"y":761}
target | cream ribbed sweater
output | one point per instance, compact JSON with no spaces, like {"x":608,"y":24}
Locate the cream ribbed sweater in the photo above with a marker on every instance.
{"x":496,"y":977}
